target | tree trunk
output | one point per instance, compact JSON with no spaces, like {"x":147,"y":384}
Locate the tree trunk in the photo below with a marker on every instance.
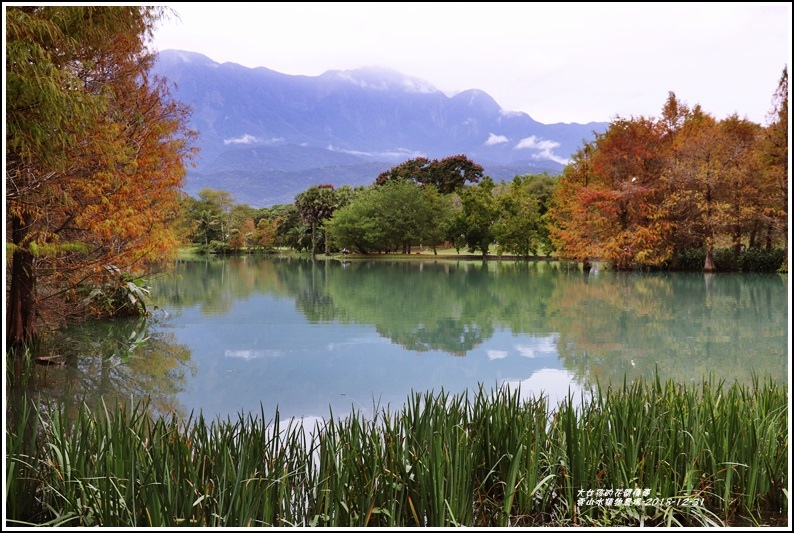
{"x":753,"y":233}
{"x":709,"y":265}
{"x":20,"y":317}
{"x":314,"y":243}
{"x":737,"y":245}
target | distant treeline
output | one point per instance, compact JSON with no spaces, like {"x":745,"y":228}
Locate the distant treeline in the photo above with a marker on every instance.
{"x":685,"y":192}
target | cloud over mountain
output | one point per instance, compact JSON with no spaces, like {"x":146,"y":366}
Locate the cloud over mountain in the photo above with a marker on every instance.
{"x":264,"y":135}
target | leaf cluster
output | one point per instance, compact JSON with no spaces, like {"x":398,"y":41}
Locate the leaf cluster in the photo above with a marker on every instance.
{"x":96,"y":151}
{"x":647,"y":188}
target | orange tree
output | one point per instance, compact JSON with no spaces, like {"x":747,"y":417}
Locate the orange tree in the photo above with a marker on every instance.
{"x":773,"y":156}
{"x":605,"y":205}
{"x":95,"y":154}
{"x":712,"y":183}
{"x":647,"y":189}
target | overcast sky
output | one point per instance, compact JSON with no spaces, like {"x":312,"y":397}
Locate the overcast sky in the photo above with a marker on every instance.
{"x":558,"y":62}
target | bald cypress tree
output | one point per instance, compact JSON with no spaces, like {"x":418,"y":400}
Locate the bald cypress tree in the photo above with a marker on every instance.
{"x":95,"y":156}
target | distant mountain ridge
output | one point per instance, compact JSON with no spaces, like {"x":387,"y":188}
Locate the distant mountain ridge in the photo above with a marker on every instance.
{"x":266,"y":136}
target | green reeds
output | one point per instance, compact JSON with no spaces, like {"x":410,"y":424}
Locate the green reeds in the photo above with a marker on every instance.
{"x":22,"y":481}
{"x":710,"y":454}
{"x":698,"y":453}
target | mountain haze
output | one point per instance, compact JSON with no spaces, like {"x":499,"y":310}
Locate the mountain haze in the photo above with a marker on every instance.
{"x":266,"y":136}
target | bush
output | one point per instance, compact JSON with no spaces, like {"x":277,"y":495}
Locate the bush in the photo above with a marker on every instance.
{"x":690,"y":259}
{"x":762,"y":259}
{"x":120,"y":294}
{"x":725,"y":259}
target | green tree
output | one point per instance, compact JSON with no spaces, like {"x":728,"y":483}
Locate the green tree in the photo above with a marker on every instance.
{"x":291,"y":231}
{"x":208,"y":224}
{"x":209,"y":216}
{"x":220,"y":203}
{"x":519,"y":228}
{"x":357,"y":225}
{"x":437,"y":216}
{"x":315,"y":205}
{"x":478,"y":215}
{"x":447,"y":175}
{"x":401,"y":209}
{"x":239,"y":213}
{"x":394,"y":216}
{"x":541,"y":187}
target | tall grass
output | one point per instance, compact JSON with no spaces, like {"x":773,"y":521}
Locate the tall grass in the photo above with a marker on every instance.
{"x":710,"y":454}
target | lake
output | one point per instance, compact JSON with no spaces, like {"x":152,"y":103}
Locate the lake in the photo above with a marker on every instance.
{"x":242,"y":334}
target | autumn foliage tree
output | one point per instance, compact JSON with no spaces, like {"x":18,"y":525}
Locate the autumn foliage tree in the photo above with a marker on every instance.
{"x":773,"y":155}
{"x":712,"y":183}
{"x":606,"y":204}
{"x":265,"y":234}
{"x":95,"y":154}
{"x":647,"y":189}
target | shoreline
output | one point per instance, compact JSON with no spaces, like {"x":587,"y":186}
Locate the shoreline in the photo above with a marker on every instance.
{"x":430,"y":256}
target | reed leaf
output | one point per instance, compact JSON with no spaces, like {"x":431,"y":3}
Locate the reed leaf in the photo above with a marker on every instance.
{"x":486,"y":458}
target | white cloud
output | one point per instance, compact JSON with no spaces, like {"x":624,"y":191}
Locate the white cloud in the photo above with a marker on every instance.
{"x":495,"y":139}
{"x":536,"y":144}
{"x":553,"y":383}
{"x":542,"y":347}
{"x":496,"y":354}
{"x":415,"y":85}
{"x":508,"y":113}
{"x":355,"y":341}
{"x":244,"y":139}
{"x":250,"y":139}
{"x":385,"y":79}
{"x":252,"y":354}
{"x":346,"y":76}
{"x":398,"y":154}
{"x":545,"y":148}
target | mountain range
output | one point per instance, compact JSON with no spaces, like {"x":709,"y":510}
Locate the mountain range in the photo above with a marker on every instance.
{"x":267,"y":136}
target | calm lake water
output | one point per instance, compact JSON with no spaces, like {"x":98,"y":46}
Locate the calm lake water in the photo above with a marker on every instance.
{"x":249,"y":334}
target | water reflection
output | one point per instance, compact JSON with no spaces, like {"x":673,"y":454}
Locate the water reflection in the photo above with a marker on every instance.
{"x":308,"y":336}
{"x":118,"y":361}
{"x":684,"y":324}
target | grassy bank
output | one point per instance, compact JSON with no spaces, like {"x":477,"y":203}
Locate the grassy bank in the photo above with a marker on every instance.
{"x":710,"y":454}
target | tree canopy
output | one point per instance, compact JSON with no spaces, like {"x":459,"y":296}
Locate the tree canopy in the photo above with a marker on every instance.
{"x":96,"y":151}
{"x":315,"y":205}
{"x":647,"y":190}
{"x":448,"y":174}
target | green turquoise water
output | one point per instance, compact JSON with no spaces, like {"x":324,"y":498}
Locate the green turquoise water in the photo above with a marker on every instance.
{"x":235,"y":334}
